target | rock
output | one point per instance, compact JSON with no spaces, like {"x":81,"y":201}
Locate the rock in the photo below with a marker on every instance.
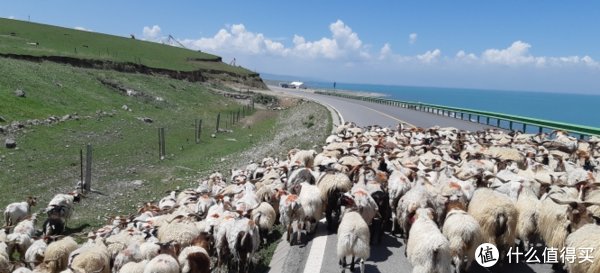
{"x":146,"y":119}
{"x":137,"y":183}
{"x":10,"y":143}
{"x":125,"y":107}
{"x":20,"y":93}
{"x":65,"y":118}
{"x":213,"y":135}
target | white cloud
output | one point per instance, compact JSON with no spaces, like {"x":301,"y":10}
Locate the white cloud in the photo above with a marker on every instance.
{"x":385,"y":51}
{"x":151,"y":33}
{"x":462,"y":55}
{"x":412,"y":38}
{"x":430,"y":56}
{"x":11,"y":17}
{"x":343,"y":43}
{"x":82,"y":28}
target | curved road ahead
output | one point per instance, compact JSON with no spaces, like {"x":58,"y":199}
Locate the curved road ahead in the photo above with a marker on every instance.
{"x":319,"y":253}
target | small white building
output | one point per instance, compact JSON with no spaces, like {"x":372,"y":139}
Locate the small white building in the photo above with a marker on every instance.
{"x":295,"y":84}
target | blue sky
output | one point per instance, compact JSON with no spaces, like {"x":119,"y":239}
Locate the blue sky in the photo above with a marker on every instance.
{"x":517,"y":45}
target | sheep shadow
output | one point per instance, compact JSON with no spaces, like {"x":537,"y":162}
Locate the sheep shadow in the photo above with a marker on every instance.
{"x":371,"y":268}
{"x":381,"y":252}
{"x":74,"y":230}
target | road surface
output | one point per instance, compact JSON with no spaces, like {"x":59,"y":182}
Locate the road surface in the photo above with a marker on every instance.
{"x":318,"y":254}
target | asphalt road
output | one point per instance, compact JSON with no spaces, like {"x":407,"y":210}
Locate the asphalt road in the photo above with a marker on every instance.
{"x":318,"y":253}
{"x":368,"y":113}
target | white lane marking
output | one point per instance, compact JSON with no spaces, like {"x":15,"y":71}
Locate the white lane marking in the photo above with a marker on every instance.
{"x":317,"y":251}
{"x":338,"y":113}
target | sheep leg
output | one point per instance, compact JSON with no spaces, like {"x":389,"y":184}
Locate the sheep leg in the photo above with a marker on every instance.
{"x":362,"y":265}
{"x":289,"y":233}
{"x":343,"y":262}
{"x":457,"y":263}
{"x":352,"y":264}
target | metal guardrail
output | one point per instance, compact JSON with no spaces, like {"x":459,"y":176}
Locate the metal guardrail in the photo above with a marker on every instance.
{"x":490,"y":117}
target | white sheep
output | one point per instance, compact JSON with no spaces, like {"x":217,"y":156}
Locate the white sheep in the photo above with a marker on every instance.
{"x":528,"y":207}
{"x":243,"y":240}
{"x":463,"y":233}
{"x":264,"y":216}
{"x":19,"y":242}
{"x":4,"y":260}
{"x":586,"y":237}
{"x":312,"y":204}
{"x":133,"y":267}
{"x":353,"y":237}
{"x":57,"y":253}
{"x":162,"y":263}
{"x":332,"y":186}
{"x":497,"y":216}
{"x":16,"y":212}
{"x":35,"y":253}
{"x":291,"y":212}
{"x":22,"y":270}
{"x":192,"y":258}
{"x":91,"y":258}
{"x":62,"y":205}
{"x":427,"y":249}
{"x":304,"y":157}
{"x":182,"y":233}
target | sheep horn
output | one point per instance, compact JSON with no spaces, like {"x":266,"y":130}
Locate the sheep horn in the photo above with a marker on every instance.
{"x":563,"y":202}
{"x":587,"y":203}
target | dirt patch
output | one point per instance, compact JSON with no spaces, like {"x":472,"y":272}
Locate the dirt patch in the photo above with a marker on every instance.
{"x":287,"y":102}
{"x":259,"y":116}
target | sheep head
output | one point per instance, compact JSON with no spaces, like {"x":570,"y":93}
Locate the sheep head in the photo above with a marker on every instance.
{"x":577,"y":213}
{"x":31,"y":201}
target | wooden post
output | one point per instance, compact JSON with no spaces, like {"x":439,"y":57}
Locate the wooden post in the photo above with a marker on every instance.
{"x":218,"y":120}
{"x":161,"y":144}
{"x":238,"y":116}
{"x":198,"y":130}
{"x":81,"y":169}
{"x":87,"y":185}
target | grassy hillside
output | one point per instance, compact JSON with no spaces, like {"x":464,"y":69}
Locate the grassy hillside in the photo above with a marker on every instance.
{"x":15,"y":37}
{"x":125,"y":148}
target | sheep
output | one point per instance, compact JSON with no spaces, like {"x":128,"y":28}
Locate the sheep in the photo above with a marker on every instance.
{"x":463,"y":233}
{"x":332,"y":185}
{"x":22,"y":270}
{"x":19,"y":242}
{"x":35,"y":253}
{"x":528,"y":207}
{"x":194,"y":259}
{"x":57,"y":254}
{"x":305,"y":157}
{"x":53,"y":226}
{"x":91,"y":258}
{"x":312,"y":204}
{"x":291,"y":211}
{"x":497,"y":216}
{"x":168,"y":202}
{"x":5,"y":265}
{"x":133,"y":267}
{"x":16,"y":212}
{"x":427,"y":249}
{"x":182,"y":233}
{"x":353,"y":236}
{"x":61,"y":205}
{"x":243,"y":239}
{"x":264,"y":216}
{"x":162,"y":263}
{"x":416,"y":197}
{"x":587,"y":236}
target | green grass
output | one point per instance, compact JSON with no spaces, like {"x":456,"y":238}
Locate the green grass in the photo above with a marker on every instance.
{"x":125,"y":148}
{"x":58,"y":41}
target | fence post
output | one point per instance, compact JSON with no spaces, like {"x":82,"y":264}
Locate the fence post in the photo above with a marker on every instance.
{"x":218,"y":121}
{"x":198,"y":131}
{"x":87,"y":185}
{"x":238,"y":116}
{"x":524,"y":127}
{"x":498,"y":122}
{"x":510,"y":125}
{"x":161,"y":144}
{"x":81,"y":169}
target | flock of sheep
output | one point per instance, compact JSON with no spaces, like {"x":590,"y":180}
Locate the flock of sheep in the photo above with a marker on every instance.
{"x":445,"y":192}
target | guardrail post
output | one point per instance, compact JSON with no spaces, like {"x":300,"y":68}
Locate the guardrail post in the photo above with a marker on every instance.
{"x":462,"y":116}
{"x":478,"y":116}
{"x":541,"y":129}
{"x":524,"y":127}
{"x":469,"y":117}
{"x":487,"y":120}
{"x":498,"y":122}
{"x":510,"y":125}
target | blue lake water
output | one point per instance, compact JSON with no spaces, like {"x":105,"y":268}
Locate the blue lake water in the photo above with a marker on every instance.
{"x":571,"y":108}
